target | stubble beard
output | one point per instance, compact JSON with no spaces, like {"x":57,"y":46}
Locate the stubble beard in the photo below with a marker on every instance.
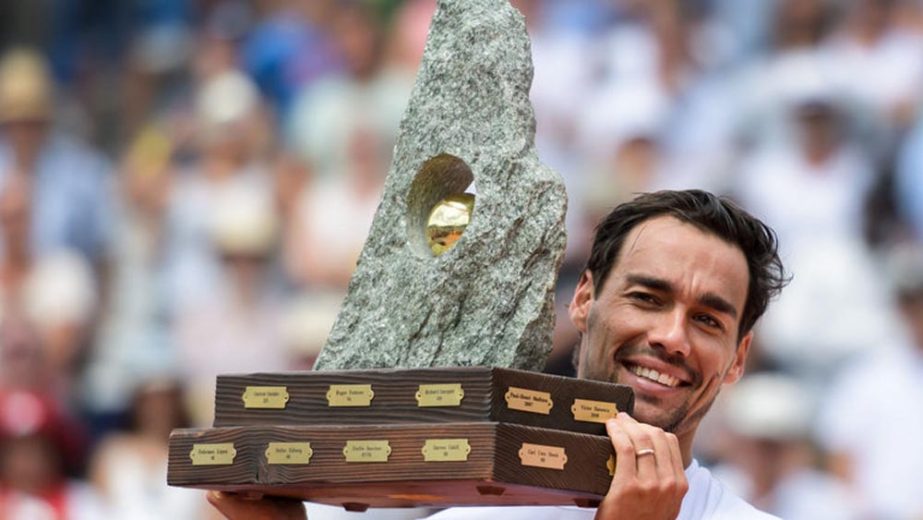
{"x":668,"y":420}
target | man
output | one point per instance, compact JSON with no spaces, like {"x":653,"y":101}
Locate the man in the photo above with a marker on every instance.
{"x":874,"y":406}
{"x":672,"y":289}
{"x":68,"y":184}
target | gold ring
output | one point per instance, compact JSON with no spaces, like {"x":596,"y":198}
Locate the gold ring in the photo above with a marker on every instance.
{"x":645,"y":451}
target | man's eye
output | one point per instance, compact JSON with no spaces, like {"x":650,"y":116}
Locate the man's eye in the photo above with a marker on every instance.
{"x":709,"y":321}
{"x":644,"y":298}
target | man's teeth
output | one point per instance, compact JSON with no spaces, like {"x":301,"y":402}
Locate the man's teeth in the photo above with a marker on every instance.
{"x":653,"y":375}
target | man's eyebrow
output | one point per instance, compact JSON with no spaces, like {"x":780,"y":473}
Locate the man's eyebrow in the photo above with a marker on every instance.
{"x":710,"y":300}
{"x":719,"y":304}
{"x":657,"y":284}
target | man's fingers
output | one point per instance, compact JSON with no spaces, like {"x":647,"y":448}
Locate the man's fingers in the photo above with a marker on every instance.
{"x":645,"y":451}
{"x":624,"y":453}
{"x":654,"y":454}
{"x":222,"y":502}
{"x":666,"y":463}
{"x":649,"y":481}
{"x":673,"y":443}
{"x":234,"y":507}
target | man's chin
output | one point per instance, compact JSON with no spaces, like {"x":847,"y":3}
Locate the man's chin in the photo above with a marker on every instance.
{"x":653,"y":414}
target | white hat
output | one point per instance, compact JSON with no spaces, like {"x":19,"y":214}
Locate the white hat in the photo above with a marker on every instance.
{"x":904,"y":268}
{"x":769,"y":406}
{"x":307,"y":321}
{"x":244,"y":221}
{"x":25,"y":87}
{"x":226,"y":99}
{"x":60,"y":289}
{"x":621,"y":114}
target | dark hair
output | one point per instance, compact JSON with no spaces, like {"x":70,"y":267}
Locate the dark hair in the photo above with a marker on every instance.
{"x":712,"y":214}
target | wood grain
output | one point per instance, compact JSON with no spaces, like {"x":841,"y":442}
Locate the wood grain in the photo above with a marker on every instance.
{"x":493,"y":473}
{"x":395,"y":401}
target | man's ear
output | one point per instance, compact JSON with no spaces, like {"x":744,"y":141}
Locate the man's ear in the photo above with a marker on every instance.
{"x":579,"y":308}
{"x":736,"y":371}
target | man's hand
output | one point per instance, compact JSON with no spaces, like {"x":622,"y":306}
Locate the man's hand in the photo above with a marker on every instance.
{"x":235,"y":507}
{"x":649,"y":481}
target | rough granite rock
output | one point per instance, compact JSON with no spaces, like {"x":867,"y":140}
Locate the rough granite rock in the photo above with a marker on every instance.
{"x":489,"y":300}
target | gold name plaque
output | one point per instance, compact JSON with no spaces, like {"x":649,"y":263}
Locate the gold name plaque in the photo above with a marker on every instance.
{"x":593,"y":411}
{"x":289,"y":453}
{"x":367,"y":451}
{"x":440,"y":395}
{"x":350,"y":395}
{"x":610,"y":465}
{"x":531,"y":401}
{"x":213,"y":454}
{"x":265,"y":397}
{"x":541,"y":456}
{"x":446,"y":450}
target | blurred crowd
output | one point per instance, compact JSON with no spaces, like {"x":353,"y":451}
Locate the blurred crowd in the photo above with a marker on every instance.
{"x":185,"y":186}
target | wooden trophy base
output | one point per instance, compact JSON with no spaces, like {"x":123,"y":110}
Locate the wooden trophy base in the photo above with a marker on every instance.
{"x":397,"y":465}
{"x":406,"y":437}
{"x":422,"y":395}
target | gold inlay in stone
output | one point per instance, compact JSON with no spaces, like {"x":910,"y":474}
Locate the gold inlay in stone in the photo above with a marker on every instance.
{"x":447,"y":222}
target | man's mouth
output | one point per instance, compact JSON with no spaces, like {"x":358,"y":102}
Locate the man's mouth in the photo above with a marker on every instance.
{"x":653,"y":375}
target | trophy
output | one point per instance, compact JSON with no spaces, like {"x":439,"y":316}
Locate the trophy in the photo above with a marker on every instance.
{"x":427,"y":391}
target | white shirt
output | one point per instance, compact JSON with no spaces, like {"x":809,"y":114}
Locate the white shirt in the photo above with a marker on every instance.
{"x":873,"y":414}
{"x":707,"y":498}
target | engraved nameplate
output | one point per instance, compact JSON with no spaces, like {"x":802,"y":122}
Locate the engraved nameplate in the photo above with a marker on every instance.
{"x":528,"y":400}
{"x":213,"y":454}
{"x":350,"y":395}
{"x":265,"y":397}
{"x":367,"y":451}
{"x":440,"y":395}
{"x":593,"y":411}
{"x":289,"y":453}
{"x":446,"y":450}
{"x":541,"y":456}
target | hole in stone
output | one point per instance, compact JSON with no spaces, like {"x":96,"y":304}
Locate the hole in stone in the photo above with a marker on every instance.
{"x":440,"y":204}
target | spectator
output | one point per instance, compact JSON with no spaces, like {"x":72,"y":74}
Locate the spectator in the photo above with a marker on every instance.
{"x":39,"y":444}
{"x":130,"y":469}
{"x":290,"y":48}
{"x":134,"y":332}
{"x":769,"y":454}
{"x":68,"y":183}
{"x":229,"y":134}
{"x":879,"y":61}
{"x":368,"y":97}
{"x":60,"y":300}
{"x":874,"y":408}
{"x":811,"y":190}
{"x":236,"y":327}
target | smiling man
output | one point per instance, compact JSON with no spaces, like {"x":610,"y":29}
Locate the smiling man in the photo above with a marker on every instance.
{"x":674,"y":284}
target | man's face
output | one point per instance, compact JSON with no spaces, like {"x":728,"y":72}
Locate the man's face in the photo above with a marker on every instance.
{"x":666,"y":321}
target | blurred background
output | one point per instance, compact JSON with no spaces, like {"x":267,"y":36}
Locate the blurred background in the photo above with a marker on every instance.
{"x":185,"y":186}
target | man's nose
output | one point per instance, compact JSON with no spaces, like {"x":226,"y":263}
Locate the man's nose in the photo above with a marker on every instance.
{"x":670,"y":333}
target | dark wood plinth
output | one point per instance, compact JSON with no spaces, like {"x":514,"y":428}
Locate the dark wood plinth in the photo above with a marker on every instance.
{"x":493,"y":474}
{"x":394,"y":401}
